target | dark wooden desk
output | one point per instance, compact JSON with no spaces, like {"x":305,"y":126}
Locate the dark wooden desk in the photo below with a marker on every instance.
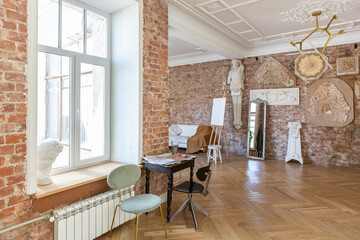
{"x":169,"y":171}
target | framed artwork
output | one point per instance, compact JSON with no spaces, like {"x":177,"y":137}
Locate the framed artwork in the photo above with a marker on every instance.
{"x":347,"y":66}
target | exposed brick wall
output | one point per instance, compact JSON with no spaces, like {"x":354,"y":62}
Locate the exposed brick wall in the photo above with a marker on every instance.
{"x":192,"y":88}
{"x":15,"y":204}
{"x":156,"y":87}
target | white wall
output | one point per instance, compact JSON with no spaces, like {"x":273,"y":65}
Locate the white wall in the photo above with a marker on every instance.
{"x":126,"y":131}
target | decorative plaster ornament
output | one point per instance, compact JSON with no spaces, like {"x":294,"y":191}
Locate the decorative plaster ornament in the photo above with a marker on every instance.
{"x":357,"y":90}
{"x":347,"y":66}
{"x":330,"y":103}
{"x":48,"y":150}
{"x":274,"y":74}
{"x":294,"y":143}
{"x":279,"y":96}
{"x":236,"y":81}
{"x":302,"y":12}
{"x":213,"y":6}
{"x":310,"y":66}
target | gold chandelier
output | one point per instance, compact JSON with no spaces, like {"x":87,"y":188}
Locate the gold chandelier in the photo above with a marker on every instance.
{"x":326,"y":29}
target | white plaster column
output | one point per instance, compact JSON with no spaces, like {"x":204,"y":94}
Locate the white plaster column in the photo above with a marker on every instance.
{"x":294,"y":143}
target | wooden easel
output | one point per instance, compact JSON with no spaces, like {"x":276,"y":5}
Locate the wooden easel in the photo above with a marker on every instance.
{"x":216,"y":132}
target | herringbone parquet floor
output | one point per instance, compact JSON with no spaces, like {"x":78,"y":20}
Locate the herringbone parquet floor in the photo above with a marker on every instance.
{"x":263,"y":200}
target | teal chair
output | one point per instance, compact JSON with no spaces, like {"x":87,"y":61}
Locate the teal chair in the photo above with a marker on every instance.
{"x":123,"y":177}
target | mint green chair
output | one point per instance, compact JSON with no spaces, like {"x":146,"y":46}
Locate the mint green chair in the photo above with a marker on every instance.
{"x":123,"y":177}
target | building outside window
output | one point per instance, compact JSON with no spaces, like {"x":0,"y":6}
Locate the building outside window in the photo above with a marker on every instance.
{"x":73,"y":82}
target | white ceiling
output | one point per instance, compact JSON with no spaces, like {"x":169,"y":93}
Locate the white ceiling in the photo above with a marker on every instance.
{"x":258,"y":25}
{"x":108,"y":6}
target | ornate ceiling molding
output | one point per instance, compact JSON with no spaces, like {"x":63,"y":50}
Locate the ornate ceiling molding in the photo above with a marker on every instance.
{"x":302,"y":13}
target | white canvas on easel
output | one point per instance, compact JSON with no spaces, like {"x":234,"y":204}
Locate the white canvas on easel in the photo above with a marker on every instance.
{"x":217,"y":122}
{"x":218,"y":111}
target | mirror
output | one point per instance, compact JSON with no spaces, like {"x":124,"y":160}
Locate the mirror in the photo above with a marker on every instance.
{"x":256,"y":130}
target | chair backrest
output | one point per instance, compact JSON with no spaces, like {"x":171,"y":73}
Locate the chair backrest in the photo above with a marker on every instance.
{"x":202,"y":174}
{"x":123,"y":176}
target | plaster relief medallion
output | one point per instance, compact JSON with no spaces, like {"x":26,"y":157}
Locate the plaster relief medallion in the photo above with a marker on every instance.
{"x":357,"y":90}
{"x":330,"y":103}
{"x":346,"y":66}
{"x":274,"y":74}
{"x":310,"y":66}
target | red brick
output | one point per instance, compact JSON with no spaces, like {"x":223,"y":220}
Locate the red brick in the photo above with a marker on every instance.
{"x":17,"y":118}
{"x":6,"y":171}
{"x":7,"y":45}
{"x":15,"y":77}
{"x":22,"y":27}
{"x":15,"y":138}
{"x":22,"y":48}
{"x":6,"y":150}
{"x":6,"y":191}
{"x":6,"y":66}
{"x":17,"y":199}
{"x":7,"y":107}
{"x":8,"y":24}
{"x":20,"y":107}
{"x":20,"y":148}
{"x":8,"y":4}
{"x":7,"y":87}
{"x":16,"y":16}
{"x":20,"y":168}
{"x":16,"y":36}
{"x":6,"y":212}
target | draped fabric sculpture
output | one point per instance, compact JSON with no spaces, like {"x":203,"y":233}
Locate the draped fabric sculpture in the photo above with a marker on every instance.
{"x":236,"y":81}
{"x":48,"y":150}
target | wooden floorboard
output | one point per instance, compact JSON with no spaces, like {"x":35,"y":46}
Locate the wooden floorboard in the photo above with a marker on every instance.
{"x":263,"y":200}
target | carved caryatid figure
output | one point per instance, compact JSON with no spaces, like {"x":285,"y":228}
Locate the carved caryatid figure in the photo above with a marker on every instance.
{"x":236,"y":81}
{"x":48,"y":150}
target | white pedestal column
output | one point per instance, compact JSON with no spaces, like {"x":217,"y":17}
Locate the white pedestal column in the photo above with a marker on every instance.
{"x":294,"y":143}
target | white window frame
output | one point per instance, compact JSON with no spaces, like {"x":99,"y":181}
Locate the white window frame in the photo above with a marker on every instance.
{"x":75,"y":61}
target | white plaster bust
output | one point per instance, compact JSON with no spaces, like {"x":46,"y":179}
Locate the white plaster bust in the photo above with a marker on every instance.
{"x":48,"y":150}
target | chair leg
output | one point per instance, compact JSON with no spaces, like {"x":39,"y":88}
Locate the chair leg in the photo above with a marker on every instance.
{"x":112,"y":224}
{"x":214,"y":155}
{"x":183,"y":206}
{"x":209,"y":155}
{"x":137,"y":226}
{"x":220,"y":155}
{"x":162,"y":217}
{"x":200,"y":208}
{"x":193,"y":214}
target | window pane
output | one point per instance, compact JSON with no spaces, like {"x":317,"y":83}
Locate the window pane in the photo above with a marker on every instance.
{"x":92,"y":111}
{"x":96,"y":33}
{"x":48,"y":21}
{"x":72,"y":28}
{"x":53,"y":106}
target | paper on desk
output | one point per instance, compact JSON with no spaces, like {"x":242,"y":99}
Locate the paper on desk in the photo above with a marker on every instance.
{"x":160,"y":161}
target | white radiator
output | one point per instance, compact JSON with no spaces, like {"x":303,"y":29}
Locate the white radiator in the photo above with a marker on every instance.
{"x":91,"y":217}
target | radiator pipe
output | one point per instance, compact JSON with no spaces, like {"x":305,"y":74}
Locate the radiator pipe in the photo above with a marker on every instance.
{"x":47,"y":216}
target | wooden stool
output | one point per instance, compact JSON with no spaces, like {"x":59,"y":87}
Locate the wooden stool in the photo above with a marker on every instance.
{"x":216,"y":152}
